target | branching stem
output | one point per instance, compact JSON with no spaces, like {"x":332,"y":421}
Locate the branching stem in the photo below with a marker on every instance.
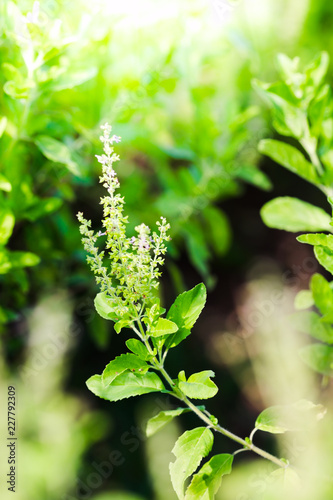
{"x":177,"y":393}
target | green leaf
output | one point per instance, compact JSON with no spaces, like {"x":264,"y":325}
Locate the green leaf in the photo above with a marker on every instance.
{"x":69,"y":80}
{"x":290,"y":158}
{"x":126,"y":385}
{"x":325,"y":240}
{"x":154,"y":312}
{"x":282,"y":418}
{"x":244,"y":117}
{"x":184,"y":312}
{"x":5,"y":265}
{"x":292,"y":214}
{"x":317,"y":70}
{"x":56,"y":151}
{"x":324,"y":256}
{"x":139,"y":349}
{"x":327,"y":128}
{"x":11,"y":72}
{"x":285,"y":478}
{"x":310,"y":322}
{"x":7,"y":222}
{"x":219,"y":230}
{"x":163,"y":327}
{"x":303,"y":299}
{"x":199,"y":385}
{"x":318,"y":109}
{"x":178,"y":153}
{"x":319,"y":357}
{"x":288,"y":119}
{"x":322,"y":293}
{"x":196,"y":244}
{"x":207,"y":481}
{"x":3,"y":125}
{"x":16,"y":259}
{"x":253,"y":175}
{"x":288,"y":67}
{"x":282,"y":90}
{"x":122,"y":323}
{"x":104,"y":307}
{"x":121,"y":364}
{"x":327,"y":159}
{"x":42,"y":208}
{"x":18,"y":90}
{"x":157,"y":422}
{"x":189,"y":450}
{"x":23,"y":259}
{"x":5,"y":185}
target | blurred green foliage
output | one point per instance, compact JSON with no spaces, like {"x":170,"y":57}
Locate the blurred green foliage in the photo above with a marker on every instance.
{"x":60,"y":79}
{"x":174,"y":80}
{"x":184,"y":105}
{"x":302,"y":109}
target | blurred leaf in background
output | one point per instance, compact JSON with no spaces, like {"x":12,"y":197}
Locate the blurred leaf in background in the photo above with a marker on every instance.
{"x":174,"y":80}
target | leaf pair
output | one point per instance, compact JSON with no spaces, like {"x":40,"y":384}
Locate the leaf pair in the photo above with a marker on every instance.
{"x":124,"y":377}
{"x":323,"y":248}
{"x":189,"y":450}
{"x":318,"y":356}
{"x":198,"y":386}
{"x":126,"y":385}
{"x":169,"y":331}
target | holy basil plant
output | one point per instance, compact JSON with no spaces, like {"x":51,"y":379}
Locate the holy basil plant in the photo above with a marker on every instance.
{"x":128,"y":271}
{"x":302,"y":108}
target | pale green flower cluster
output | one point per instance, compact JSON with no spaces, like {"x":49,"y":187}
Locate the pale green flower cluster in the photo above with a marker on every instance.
{"x":131,"y":275}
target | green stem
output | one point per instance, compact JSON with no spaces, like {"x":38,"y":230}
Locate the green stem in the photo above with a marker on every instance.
{"x":308,"y":146}
{"x":219,"y":428}
{"x":176,"y":392}
{"x":234,"y":437}
{"x":316,"y":162}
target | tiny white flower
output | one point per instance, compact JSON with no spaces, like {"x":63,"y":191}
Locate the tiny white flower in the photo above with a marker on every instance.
{"x":102,"y":159}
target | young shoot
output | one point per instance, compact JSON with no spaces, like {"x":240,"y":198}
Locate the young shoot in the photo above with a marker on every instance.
{"x":127,"y":269}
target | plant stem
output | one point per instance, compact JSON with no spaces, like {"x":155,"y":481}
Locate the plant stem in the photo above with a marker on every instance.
{"x":176,"y":392}
{"x":308,"y":146}
{"x":234,"y":437}
{"x":219,"y":428}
